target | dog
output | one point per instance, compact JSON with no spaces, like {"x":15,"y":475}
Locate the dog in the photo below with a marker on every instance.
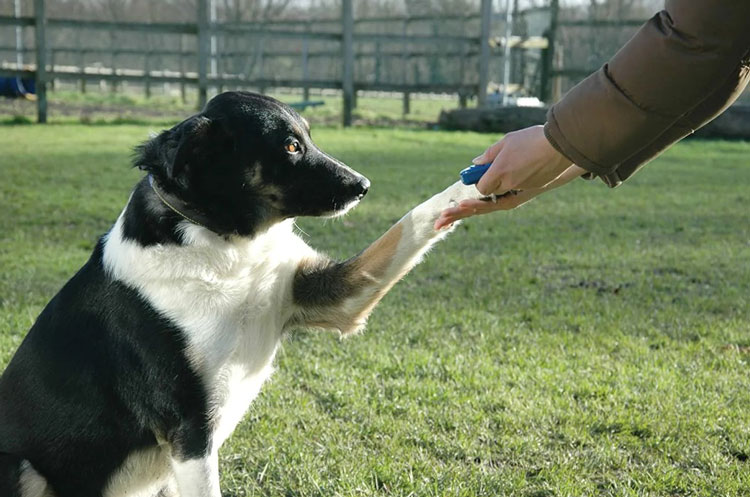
{"x":142,"y":365}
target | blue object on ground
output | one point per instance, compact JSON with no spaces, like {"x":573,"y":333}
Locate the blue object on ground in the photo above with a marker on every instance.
{"x":16,"y":87}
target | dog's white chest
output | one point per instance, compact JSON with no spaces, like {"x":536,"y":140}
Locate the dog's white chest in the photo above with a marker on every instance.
{"x":233,"y":391}
{"x":229,"y":299}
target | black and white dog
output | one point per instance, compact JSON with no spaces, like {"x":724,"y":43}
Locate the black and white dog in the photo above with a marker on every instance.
{"x":143,"y":364}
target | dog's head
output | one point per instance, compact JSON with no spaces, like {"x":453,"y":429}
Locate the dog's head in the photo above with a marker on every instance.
{"x":246,"y":162}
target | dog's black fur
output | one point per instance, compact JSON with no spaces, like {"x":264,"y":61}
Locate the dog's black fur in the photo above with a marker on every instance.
{"x":97,"y":372}
{"x":228,"y":169}
{"x":101,"y":371}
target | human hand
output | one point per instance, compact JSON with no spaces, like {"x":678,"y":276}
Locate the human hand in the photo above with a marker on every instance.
{"x":521,"y":160}
{"x":524,"y":165}
{"x":509,"y":200}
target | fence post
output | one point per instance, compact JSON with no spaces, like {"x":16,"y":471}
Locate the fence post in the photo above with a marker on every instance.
{"x":183,"y":96}
{"x":462,"y":59}
{"x":507,"y":51}
{"x":115,"y":87}
{"x":557,"y":80}
{"x":261,"y":69}
{"x":462,"y":100}
{"x":433,"y":62}
{"x":378,"y":61}
{"x":113,"y":62}
{"x":548,"y":54}
{"x":204,"y":42}
{"x":52,"y":69}
{"x":347,"y":84}
{"x":41,"y":60}
{"x":214,"y":45}
{"x":405,"y":64}
{"x":147,"y":73}
{"x":520,"y":27}
{"x":82,"y":64}
{"x":305,"y":65}
{"x":484,"y":51}
{"x":19,"y":35}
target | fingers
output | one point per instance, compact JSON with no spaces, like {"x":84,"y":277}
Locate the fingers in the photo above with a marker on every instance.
{"x":492,"y":181}
{"x":509,"y":172}
{"x":522,"y":160}
{"x":489,"y":155}
{"x":468,"y":208}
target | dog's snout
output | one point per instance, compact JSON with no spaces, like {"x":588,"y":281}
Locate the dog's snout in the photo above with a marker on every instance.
{"x":356,"y":186}
{"x":363,"y":186}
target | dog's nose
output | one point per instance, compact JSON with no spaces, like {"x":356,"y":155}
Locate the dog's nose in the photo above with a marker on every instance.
{"x":364,"y":187}
{"x":358,"y":188}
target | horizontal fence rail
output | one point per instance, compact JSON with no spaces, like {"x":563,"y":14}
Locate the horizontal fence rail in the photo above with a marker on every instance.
{"x":145,"y":27}
{"x":197,"y":66}
{"x":601,"y":23}
{"x":251,"y":30}
{"x":270,"y":53}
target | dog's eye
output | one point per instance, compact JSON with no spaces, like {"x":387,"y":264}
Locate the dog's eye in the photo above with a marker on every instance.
{"x":292,"y":147}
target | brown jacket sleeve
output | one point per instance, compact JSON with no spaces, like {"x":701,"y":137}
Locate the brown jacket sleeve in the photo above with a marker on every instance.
{"x":683,"y":68}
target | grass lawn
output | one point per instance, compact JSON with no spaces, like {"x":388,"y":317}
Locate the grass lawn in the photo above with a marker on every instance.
{"x":595,"y":342}
{"x":103,"y":107}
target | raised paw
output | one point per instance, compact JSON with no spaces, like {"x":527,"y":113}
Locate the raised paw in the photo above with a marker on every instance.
{"x":450,"y":197}
{"x":457,"y":192}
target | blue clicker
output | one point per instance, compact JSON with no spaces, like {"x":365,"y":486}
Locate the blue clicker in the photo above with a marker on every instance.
{"x":471,"y":175}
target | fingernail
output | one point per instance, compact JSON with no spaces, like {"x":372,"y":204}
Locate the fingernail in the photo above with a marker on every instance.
{"x":476,"y":159}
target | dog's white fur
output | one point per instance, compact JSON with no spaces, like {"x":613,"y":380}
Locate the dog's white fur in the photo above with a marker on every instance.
{"x":232,"y":298}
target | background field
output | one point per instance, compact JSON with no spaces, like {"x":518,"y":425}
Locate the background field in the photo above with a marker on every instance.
{"x":595,"y":342}
{"x":97,"y":107}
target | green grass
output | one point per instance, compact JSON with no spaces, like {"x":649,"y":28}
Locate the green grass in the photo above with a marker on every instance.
{"x":131,"y":107}
{"x":595,"y":342}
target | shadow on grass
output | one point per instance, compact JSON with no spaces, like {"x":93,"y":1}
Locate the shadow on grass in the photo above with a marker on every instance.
{"x":16,"y":121}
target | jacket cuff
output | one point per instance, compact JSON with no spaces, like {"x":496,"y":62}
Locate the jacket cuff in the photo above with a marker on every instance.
{"x":557,"y":139}
{"x":552,"y":132}
{"x":598,"y":125}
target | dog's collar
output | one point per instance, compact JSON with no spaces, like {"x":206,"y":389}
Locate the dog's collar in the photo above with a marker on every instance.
{"x":173,"y":202}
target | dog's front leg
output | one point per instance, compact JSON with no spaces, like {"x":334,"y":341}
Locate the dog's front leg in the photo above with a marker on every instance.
{"x":197,"y":476}
{"x":341,"y":295}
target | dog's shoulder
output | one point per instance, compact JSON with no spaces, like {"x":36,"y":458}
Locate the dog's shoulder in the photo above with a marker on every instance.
{"x":219,"y":291}
{"x":230,"y":298}
{"x":207,"y":272}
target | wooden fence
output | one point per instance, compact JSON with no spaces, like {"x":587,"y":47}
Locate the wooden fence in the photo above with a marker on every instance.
{"x":341,"y":31}
{"x":568,"y":50}
{"x":46,"y":68}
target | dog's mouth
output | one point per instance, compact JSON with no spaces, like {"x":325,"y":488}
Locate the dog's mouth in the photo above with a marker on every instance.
{"x":343,"y":210}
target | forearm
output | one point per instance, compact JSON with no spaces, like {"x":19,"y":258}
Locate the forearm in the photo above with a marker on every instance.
{"x":569,"y":175}
{"x":688,"y":57}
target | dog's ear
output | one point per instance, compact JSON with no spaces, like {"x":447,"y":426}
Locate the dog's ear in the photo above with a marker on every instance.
{"x":169,"y":154}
